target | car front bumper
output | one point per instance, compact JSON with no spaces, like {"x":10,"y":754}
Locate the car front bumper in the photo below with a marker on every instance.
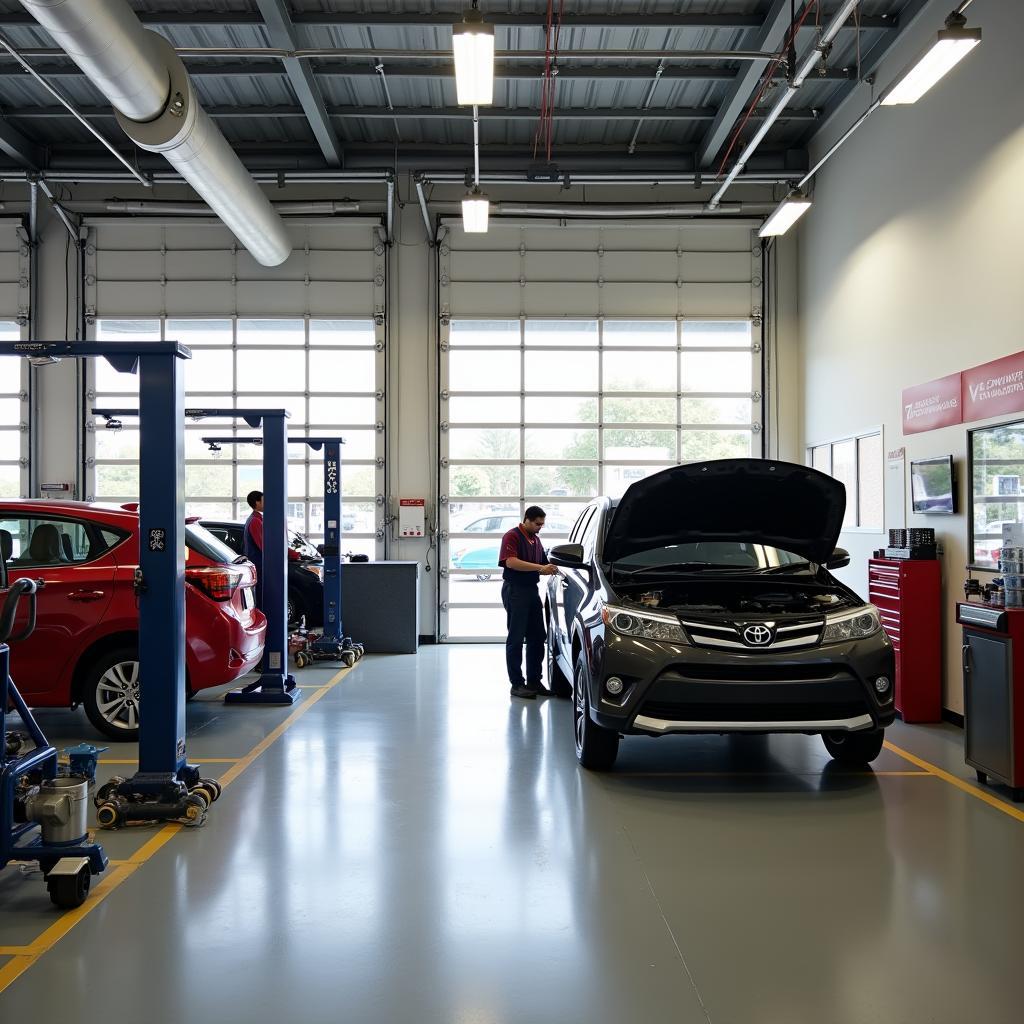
{"x":672,"y":688}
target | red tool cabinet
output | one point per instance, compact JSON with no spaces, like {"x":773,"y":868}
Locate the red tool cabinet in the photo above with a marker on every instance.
{"x":908,"y":595}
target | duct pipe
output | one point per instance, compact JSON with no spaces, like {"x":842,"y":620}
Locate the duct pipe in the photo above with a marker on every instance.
{"x":199,"y":209}
{"x":156,"y":105}
{"x":831,"y":31}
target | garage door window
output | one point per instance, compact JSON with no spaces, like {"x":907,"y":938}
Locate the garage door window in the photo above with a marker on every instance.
{"x":12,"y":413}
{"x":323,"y":371}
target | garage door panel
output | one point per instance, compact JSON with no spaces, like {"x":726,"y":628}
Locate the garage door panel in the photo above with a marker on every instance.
{"x":137,"y":298}
{"x":267,"y":298}
{"x":196,"y":265}
{"x":715,"y":300}
{"x":333,"y":299}
{"x":195,"y":298}
{"x":340,"y":265}
{"x":638,"y":299}
{"x":717,"y":267}
{"x":486,"y":266}
{"x":631,"y":266}
{"x":9,"y":299}
{"x":559,"y":265}
{"x":130,"y":265}
{"x":565,"y":299}
{"x":470,"y":300}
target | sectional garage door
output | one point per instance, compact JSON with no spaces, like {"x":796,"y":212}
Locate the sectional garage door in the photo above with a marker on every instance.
{"x":574,"y":360}
{"x":308,"y":336}
{"x":14,"y":308}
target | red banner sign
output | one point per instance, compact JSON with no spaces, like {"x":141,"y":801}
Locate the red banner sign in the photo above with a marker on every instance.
{"x":932,"y":405}
{"x":994,"y":389}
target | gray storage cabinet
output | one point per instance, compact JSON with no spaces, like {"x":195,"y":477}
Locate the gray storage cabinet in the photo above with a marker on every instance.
{"x":380,"y":605}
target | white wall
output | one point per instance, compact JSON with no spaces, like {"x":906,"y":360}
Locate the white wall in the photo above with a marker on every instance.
{"x":910,"y":267}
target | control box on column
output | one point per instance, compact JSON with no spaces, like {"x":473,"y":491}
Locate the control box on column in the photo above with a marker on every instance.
{"x":908,"y":595}
{"x":411,"y":517}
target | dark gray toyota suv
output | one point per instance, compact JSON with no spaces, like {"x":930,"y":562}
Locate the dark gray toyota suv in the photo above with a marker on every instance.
{"x":701,"y":602}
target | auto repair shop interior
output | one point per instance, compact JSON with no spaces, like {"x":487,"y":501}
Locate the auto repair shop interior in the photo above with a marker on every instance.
{"x":307,"y":307}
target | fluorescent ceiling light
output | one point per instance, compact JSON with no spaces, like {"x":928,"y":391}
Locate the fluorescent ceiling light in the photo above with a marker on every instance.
{"x":473,"y":45}
{"x":475,"y":209}
{"x":786,"y":214}
{"x":950,"y":47}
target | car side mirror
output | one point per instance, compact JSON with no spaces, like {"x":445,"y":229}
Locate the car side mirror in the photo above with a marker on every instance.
{"x":568,"y":555}
{"x":839,"y":559}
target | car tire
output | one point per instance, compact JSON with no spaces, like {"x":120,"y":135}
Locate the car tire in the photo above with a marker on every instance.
{"x":296,"y":608}
{"x":854,"y":748}
{"x":558,"y":682}
{"x":596,"y":747}
{"x":106,"y":680}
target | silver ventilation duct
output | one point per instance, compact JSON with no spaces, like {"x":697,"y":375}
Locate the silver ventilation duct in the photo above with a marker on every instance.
{"x":156,"y":105}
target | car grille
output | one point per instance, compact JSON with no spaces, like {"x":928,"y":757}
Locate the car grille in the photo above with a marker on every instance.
{"x":740,"y":636}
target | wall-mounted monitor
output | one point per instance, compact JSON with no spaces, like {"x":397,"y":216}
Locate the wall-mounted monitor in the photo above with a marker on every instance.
{"x":933,"y":486}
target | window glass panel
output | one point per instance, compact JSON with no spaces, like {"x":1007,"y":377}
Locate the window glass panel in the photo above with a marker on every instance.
{"x":492,"y":481}
{"x":359,"y":444}
{"x":343,"y":370}
{"x":647,"y":371}
{"x":10,"y":330}
{"x":561,"y":516}
{"x":200,"y":332}
{"x":490,"y":443}
{"x":717,"y":410}
{"x":640,"y":333}
{"x":271,"y":332}
{"x":484,"y":371}
{"x":483,"y":410}
{"x":215,"y":510}
{"x":844,"y":469}
{"x":117,"y":481}
{"x":210,"y":368}
{"x":699,"y":445}
{"x":10,"y":481}
{"x":116,"y":444}
{"x":547,"y":333}
{"x":561,"y":481}
{"x":10,"y":409}
{"x":208,"y":481}
{"x":821,"y":458}
{"x":474,"y":517}
{"x":561,"y":371}
{"x":561,"y":444}
{"x":560,"y":409}
{"x":622,"y":445}
{"x":617,"y":409}
{"x":108,"y":380}
{"x":10,"y":374}
{"x":294,"y":404}
{"x":343,"y":410}
{"x":484,"y":332}
{"x":869,"y":484}
{"x":470,"y":622}
{"x":271,"y":370}
{"x":342,"y":332}
{"x":717,"y":371}
{"x":717,"y":333}
{"x":10,"y":445}
{"x":618,"y":478}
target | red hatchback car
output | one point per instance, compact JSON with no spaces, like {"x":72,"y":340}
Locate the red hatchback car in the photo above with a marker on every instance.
{"x":85,"y":646}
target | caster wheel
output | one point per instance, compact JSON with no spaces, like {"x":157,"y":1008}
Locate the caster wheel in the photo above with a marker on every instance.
{"x":348,"y":659}
{"x":213,"y":786}
{"x":70,"y":891}
{"x":108,"y":815}
{"x":204,"y":795}
{"x":300,"y":661}
{"x":194,"y":810}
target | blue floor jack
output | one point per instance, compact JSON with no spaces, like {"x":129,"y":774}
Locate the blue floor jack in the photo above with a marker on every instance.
{"x":43,"y":813}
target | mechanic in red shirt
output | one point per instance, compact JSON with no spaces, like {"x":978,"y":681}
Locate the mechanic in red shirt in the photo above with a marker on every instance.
{"x":252,"y":541}
{"x":524,"y":561}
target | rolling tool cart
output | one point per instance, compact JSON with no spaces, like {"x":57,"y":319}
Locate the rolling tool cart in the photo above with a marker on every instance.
{"x":42,"y":813}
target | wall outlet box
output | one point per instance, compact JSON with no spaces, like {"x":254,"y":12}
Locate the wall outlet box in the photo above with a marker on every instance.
{"x":412,"y":517}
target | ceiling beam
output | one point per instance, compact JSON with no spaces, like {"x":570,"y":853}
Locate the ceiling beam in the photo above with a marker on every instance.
{"x":769,"y":38}
{"x":18,"y":148}
{"x":281,"y":33}
{"x":433,"y":113}
{"x":437,"y":19}
{"x":272,"y":68}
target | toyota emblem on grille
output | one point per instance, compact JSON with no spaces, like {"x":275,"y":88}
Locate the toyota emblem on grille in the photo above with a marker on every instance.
{"x":757,"y":636}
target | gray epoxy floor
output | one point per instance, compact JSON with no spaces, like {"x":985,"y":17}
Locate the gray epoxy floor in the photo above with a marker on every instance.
{"x":415,"y":848}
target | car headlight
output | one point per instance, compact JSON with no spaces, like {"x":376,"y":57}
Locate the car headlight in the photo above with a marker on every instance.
{"x":646,"y":625}
{"x":851,"y":625}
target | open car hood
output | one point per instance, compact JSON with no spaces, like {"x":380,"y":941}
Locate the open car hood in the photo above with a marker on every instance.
{"x":753,"y":501}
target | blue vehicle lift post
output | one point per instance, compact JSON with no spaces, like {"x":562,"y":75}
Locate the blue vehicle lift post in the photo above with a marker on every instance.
{"x":332,"y":643}
{"x":165,"y":786}
{"x":275,"y":685}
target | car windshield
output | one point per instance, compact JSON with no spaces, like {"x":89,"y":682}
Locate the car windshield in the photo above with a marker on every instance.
{"x":199,"y":539}
{"x":704,"y":555}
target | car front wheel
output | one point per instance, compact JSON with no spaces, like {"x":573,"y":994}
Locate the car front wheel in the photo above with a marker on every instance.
{"x":596,"y":747}
{"x":111,"y":694}
{"x":854,"y":748}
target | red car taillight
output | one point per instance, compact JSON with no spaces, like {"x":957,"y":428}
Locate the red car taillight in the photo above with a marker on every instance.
{"x":218,"y":582}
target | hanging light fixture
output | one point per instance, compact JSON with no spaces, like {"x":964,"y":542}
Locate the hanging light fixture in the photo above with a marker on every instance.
{"x":785,"y":215}
{"x":949,"y":47}
{"x":475,"y":209}
{"x":473,"y":46}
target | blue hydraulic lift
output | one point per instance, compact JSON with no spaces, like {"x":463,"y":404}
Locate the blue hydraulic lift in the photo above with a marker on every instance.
{"x":165,"y":786}
{"x":275,"y":685}
{"x":332,"y":643}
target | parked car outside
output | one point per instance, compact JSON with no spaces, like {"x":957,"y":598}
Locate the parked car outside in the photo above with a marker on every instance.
{"x":305,"y":570}
{"x":483,"y":561}
{"x":85,"y":646}
{"x":702,"y":602}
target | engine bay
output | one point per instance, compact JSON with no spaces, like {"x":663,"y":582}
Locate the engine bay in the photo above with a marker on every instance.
{"x":735,"y":597}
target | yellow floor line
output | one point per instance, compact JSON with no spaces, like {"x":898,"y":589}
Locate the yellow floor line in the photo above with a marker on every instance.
{"x":26,"y":956}
{"x":192,"y":760}
{"x":962,"y":784}
{"x":14,"y":950}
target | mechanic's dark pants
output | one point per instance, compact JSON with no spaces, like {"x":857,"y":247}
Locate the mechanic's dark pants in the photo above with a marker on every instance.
{"x":525,"y":622}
